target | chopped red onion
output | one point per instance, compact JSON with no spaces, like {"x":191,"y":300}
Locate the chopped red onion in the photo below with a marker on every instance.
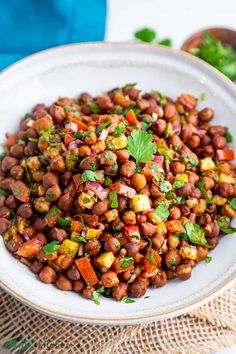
{"x":167,"y":166}
{"x":97,"y":123}
{"x":176,"y":128}
{"x":200,"y":132}
{"x":126,"y":191}
{"x":72,"y":145}
{"x":71,"y":127}
{"x":192,"y":217}
{"x":103,"y":134}
{"x":159,"y":159}
{"x":25,"y":236}
{"x":79,"y":142}
{"x":81,"y":250}
{"x":100,"y":192}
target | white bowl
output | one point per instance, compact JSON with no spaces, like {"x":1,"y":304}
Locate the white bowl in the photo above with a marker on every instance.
{"x":68,"y":70}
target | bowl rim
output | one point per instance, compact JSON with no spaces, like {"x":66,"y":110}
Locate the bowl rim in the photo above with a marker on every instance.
{"x":139,"y":319}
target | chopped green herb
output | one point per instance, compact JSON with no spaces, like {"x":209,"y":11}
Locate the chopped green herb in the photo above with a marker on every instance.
{"x":117,"y":109}
{"x":63,"y":222}
{"x":229,"y":136}
{"x":21,"y":142}
{"x":181,"y":236}
{"x":208,"y":259}
{"x":200,"y":185}
{"x":224,"y":225}
{"x":149,"y":241}
{"x":70,"y":108}
{"x":162,"y":211}
{"x":149,"y":256}
{"x":3,"y":192}
{"x":145,"y":126}
{"x":116,"y":228}
{"x":110,"y":145}
{"x":166,"y":42}
{"x":196,"y":234}
{"x":49,"y":197}
{"x":51,"y":247}
{"x":178,"y":184}
{"x":203,"y":96}
{"x":132,"y":106}
{"x":33,"y":140}
{"x":120,"y":129}
{"x":43,"y":159}
{"x":233,"y":203}
{"x":73,"y":157}
{"x":92,"y":176}
{"x":55,"y":211}
{"x":140,"y":146}
{"x":128,"y":85}
{"x":106,"y":181}
{"x":81,"y":239}
{"x":125,"y":262}
{"x":96,"y":295}
{"x":3,"y":153}
{"x":113,"y":199}
{"x":165,"y":186}
{"x":86,"y":200}
{"x":127,"y":300}
{"x":102,"y":126}
{"x":145,"y":35}
{"x":192,"y":161}
{"x":16,"y":191}
{"x":172,"y":262}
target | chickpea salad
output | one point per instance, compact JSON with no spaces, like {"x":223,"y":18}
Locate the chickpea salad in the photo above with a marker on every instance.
{"x":109,"y":195}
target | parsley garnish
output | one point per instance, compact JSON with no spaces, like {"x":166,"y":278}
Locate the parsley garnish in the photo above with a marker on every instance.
{"x":140,"y":146}
{"x":132,"y":106}
{"x":96,"y":295}
{"x":33,"y":140}
{"x":196,"y":234}
{"x":63,"y":222}
{"x":55,"y":212}
{"x":181,"y":236}
{"x":192,"y":161}
{"x":120,"y":129}
{"x":165,"y":186}
{"x":200,"y":185}
{"x":90,"y":176}
{"x":127,"y":300}
{"x":102,"y":126}
{"x":203,"y":96}
{"x":81,"y":239}
{"x":70,"y":108}
{"x":208,"y":259}
{"x":16,"y":191}
{"x":233,"y":203}
{"x":51,"y":247}
{"x":49,"y":197}
{"x":106,"y":181}
{"x":2,"y":192}
{"x":113,"y":199}
{"x":178,"y":184}
{"x":21,"y":142}
{"x":149,"y":256}
{"x":125,"y":262}
{"x":229,"y":136}
{"x":162,"y":211}
{"x":128,"y":85}
{"x":145,"y":35}
{"x":224,"y":226}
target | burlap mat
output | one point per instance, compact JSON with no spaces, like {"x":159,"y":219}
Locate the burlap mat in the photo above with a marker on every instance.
{"x":211,"y":327}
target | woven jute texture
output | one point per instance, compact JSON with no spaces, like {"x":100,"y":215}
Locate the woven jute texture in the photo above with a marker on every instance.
{"x":211,"y":327}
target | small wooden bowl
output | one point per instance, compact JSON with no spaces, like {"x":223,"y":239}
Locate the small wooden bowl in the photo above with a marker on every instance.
{"x":225,"y":35}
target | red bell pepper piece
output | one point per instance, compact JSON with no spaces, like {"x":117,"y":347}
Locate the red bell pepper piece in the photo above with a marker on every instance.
{"x":131,"y":117}
{"x":225,"y":155}
{"x":151,"y":262}
{"x":30,"y":248}
{"x":132,"y":233}
{"x":175,"y":226}
{"x":86,"y":269}
{"x":150,"y":169}
{"x":43,"y":124}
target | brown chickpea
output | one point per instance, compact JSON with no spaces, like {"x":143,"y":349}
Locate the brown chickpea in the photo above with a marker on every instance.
{"x":88,"y":292}
{"x":209,"y":183}
{"x":173,"y":241}
{"x":157,"y":241}
{"x":57,"y":164}
{"x":84,"y":150}
{"x":129,"y":217}
{"x":202,"y":253}
{"x":122,"y":155}
{"x":127,"y":169}
{"x":53,"y":193}
{"x":120,"y":291}
{"x":91,"y":138}
{"x":159,"y":280}
{"x":132,"y":248}
{"x":93,"y":247}
{"x":41,"y":205}
{"x":138,"y":181}
{"x":64,"y":283}
{"x":73,"y":273}
{"x":137,"y":289}
{"x":213,"y":241}
{"x":176,"y":142}
{"x":228,"y":211}
{"x":192,"y":177}
{"x":206,"y":114}
{"x":172,"y":258}
{"x":112,"y":244}
{"x":177,"y":167}
{"x":48,"y":275}
{"x":109,"y":279}
{"x":183,"y":271}
{"x":225,"y":189}
{"x":175,"y":213}
{"x":78,"y":285}
{"x":219,"y":142}
{"x":193,"y":141}
{"x":169,"y":110}
{"x":138,"y":257}
{"x":50,"y":179}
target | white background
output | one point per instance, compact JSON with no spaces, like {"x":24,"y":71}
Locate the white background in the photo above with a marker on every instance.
{"x":176,"y":19}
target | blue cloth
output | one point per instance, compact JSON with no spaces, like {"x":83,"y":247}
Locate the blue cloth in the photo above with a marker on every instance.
{"x":27,"y":26}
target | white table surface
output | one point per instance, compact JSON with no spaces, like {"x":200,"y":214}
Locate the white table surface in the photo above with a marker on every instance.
{"x":175,"y":19}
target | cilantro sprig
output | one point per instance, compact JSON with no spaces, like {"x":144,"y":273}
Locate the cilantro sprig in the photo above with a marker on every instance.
{"x":51,"y":247}
{"x":140,"y":146}
{"x":149,"y":35}
{"x":91,"y":176}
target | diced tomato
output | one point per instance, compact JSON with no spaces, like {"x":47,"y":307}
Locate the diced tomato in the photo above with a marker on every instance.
{"x":90,"y":220}
{"x":11,"y":139}
{"x":80,"y":124}
{"x":122,"y":189}
{"x":132,"y":233}
{"x":20,"y":191}
{"x":43,"y":124}
{"x":30,"y":248}
{"x":225,"y":155}
{"x":86,"y":269}
{"x":175,"y":226}
{"x":131,"y":117}
{"x":151,"y":262}
{"x":118,"y":266}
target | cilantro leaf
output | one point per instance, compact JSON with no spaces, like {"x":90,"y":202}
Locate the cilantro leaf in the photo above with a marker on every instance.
{"x":49,"y":197}
{"x":96,"y":295}
{"x":224,"y":226}
{"x":3,"y":192}
{"x":92,"y":176}
{"x":113,"y":199}
{"x":233,"y":203}
{"x":125,"y":262}
{"x":166,"y":42}
{"x":178,"y":184}
{"x":51,"y":247}
{"x":181,"y":236}
{"x":196,"y":234}
{"x":208,"y":259}
{"x":145,"y":34}
{"x":127,"y":300}
{"x":162,"y":211}
{"x":63,"y":222}
{"x":229,"y":136}
{"x":55,"y":211}
{"x":102,"y":126}
{"x":200,"y":185}
{"x":140,"y":146}
{"x":165,"y":186}
{"x":149,"y":256}
{"x":203,"y":96}
{"x":81,"y":239}
{"x":128,"y":85}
